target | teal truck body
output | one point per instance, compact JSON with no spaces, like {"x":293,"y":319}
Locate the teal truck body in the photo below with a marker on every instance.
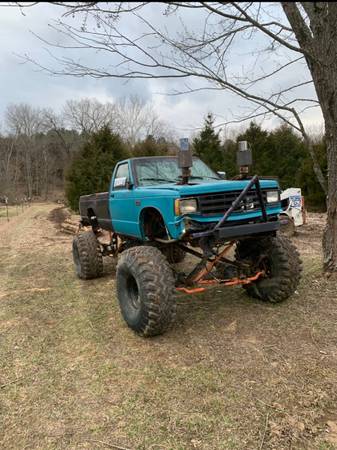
{"x":123,"y":209}
{"x":160,"y":209}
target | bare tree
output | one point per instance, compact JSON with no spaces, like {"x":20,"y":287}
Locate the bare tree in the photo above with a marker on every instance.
{"x":24,"y":122}
{"x":56,"y":124}
{"x":286,"y":36}
{"x":35,"y":152}
{"x":138,"y":119}
{"x":132,"y":117}
{"x":88,"y":115}
{"x":7,"y":155}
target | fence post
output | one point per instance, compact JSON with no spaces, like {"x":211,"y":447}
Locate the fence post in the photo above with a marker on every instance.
{"x":7,"y":213}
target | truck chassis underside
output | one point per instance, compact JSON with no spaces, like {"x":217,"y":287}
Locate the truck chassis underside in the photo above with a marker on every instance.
{"x":215,"y":244}
{"x":203,"y":277}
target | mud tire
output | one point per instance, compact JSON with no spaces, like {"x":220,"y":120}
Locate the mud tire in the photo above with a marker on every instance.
{"x":145,"y":290}
{"x":87,"y":256}
{"x":285,"y":267}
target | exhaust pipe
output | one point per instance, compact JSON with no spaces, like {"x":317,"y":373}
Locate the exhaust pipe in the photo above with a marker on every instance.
{"x":244,"y":158}
{"x":185,"y":161}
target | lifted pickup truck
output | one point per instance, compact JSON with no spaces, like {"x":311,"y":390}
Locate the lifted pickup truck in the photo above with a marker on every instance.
{"x":155,"y":215}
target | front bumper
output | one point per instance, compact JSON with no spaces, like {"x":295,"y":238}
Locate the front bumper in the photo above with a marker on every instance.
{"x":248,"y":229}
{"x":232,"y":229}
{"x":262,"y":220}
{"x":222,"y":230}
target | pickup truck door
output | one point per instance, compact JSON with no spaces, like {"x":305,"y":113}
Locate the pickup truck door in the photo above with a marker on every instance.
{"x":123,"y":212}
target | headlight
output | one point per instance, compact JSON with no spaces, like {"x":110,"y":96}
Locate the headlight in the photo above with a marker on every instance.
{"x":185,"y":206}
{"x":273,"y":196}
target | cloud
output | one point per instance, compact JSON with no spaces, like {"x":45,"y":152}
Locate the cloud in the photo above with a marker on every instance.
{"x":23,"y":83}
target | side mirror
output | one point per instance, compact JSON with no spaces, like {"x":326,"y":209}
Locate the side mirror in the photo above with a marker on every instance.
{"x":222,"y":175}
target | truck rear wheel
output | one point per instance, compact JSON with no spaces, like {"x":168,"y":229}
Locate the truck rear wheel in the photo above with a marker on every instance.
{"x":279,"y":258}
{"x":145,"y":287}
{"x":87,"y":256}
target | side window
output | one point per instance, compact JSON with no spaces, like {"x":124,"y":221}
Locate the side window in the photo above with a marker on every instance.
{"x":122,"y":176}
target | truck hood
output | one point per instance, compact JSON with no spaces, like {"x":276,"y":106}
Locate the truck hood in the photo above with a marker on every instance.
{"x":206,"y":188}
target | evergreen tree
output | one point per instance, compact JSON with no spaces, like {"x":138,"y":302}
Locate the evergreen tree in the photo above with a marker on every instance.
{"x":282,"y":153}
{"x":229,"y":155}
{"x":208,"y":145}
{"x":151,"y":147}
{"x":92,"y":168}
{"x":307,"y":180}
{"x":288,"y":153}
{"x":261,"y":152}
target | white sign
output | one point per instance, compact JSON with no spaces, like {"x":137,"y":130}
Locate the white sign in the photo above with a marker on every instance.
{"x":184,"y":144}
{"x":295,"y":201}
{"x":119,"y":182}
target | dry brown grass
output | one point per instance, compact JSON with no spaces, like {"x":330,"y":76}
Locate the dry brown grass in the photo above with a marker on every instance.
{"x":13,"y":211}
{"x":232,"y":374}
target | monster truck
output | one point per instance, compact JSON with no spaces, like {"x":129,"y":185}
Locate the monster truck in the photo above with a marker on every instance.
{"x":157,"y":210}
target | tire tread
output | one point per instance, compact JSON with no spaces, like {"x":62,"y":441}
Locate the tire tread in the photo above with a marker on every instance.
{"x":157,"y":285}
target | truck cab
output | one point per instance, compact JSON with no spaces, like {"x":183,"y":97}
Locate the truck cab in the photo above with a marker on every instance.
{"x":147,"y":200}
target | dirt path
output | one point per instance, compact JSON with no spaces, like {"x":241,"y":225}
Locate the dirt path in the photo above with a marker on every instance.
{"x":233,"y":373}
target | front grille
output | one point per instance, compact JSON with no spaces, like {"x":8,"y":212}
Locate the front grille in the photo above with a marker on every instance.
{"x":219,"y":203}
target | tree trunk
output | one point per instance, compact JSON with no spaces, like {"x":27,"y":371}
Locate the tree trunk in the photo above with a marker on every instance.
{"x":28,"y":174}
{"x":325,"y":79}
{"x":315,"y":164}
{"x":319,"y":45}
{"x":28,"y":169}
{"x":330,"y":232}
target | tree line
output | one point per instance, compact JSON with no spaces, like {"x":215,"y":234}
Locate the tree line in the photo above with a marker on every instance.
{"x":37,"y":145}
{"x":43,"y":154}
{"x":280,"y":153}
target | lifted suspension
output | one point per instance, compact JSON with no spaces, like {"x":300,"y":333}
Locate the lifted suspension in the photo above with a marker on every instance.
{"x":198,"y":279}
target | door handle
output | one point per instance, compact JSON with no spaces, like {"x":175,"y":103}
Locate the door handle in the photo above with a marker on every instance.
{"x":112,"y":195}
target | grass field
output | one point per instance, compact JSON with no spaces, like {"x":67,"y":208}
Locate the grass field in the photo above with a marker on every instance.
{"x":233,"y":373}
{"x":13,"y":211}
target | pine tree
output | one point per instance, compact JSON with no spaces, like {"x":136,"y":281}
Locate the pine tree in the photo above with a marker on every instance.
{"x":92,"y":168}
{"x":263,"y":158}
{"x":229,"y":154}
{"x":208,"y":145}
{"x":151,"y":147}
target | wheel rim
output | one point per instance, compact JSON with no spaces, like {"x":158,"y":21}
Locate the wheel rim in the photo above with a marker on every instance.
{"x":133,"y":293}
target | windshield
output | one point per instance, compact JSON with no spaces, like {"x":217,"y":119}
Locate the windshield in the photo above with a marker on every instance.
{"x":165,"y":170}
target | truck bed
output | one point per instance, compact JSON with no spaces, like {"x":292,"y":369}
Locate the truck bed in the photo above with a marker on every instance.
{"x":95,"y":207}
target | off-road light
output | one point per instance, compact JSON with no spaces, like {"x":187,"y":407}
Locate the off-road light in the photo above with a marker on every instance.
{"x":244,"y":158}
{"x":185,"y":206}
{"x":273,"y":196}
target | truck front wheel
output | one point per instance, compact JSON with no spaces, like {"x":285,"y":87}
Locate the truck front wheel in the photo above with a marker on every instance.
{"x":280,"y":261}
{"x":173,"y":253}
{"x":145,"y":287}
{"x":87,"y":256}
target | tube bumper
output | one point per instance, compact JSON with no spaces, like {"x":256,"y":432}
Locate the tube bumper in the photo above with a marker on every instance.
{"x":249,"y":229}
{"x":246,"y":230}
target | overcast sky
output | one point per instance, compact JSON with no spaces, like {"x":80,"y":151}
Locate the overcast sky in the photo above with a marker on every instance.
{"x":22,"y":83}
